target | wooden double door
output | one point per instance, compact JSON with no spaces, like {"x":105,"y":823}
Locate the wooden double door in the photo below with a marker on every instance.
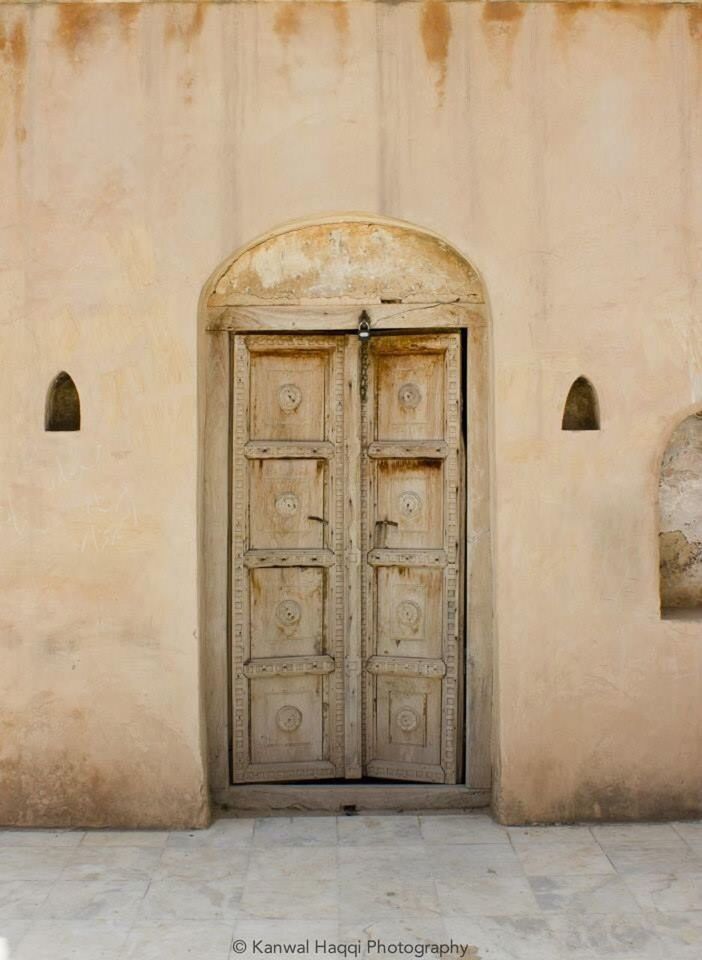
{"x":346,"y":555}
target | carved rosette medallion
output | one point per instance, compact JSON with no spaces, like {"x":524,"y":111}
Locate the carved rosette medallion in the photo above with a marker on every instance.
{"x":407,"y":719}
{"x":410,"y":504}
{"x":289,"y":397}
{"x":409,"y":396}
{"x":288,"y":613}
{"x":286,"y":504}
{"x":288,"y":718}
{"x":408,"y":613}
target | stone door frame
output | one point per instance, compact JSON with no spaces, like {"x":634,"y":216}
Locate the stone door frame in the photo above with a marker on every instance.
{"x":325,"y":276}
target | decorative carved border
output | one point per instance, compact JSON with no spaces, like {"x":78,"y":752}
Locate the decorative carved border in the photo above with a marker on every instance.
{"x":451,"y":466}
{"x":337,"y":482}
{"x":240,"y":584}
{"x":288,"y":666}
{"x":403,"y":666}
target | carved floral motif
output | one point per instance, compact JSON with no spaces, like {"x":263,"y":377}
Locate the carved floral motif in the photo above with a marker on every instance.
{"x":289,"y":397}
{"x":288,"y":718}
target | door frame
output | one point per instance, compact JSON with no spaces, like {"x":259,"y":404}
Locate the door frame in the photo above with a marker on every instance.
{"x":443,"y":292}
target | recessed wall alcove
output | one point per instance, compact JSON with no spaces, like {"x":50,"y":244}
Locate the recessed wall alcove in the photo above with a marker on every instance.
{"x":680,"y":517}
{"x":582,"y":409}
{"x":320,"y":280}
{"x":62,"y":410}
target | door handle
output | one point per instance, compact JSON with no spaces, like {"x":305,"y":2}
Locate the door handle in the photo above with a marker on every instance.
{"x":318,"y":519}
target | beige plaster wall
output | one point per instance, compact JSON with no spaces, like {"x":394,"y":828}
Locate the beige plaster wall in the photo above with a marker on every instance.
{"x":557,"y":146}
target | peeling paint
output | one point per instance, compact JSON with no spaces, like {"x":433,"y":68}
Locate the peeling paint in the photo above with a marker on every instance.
{"x":436,"y":34}
{"x":352,"y":262}
{"x":680,"y":540}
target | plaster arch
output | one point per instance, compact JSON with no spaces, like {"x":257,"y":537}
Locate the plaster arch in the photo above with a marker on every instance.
{"x":319,"y":275}
{"x":347,"y":259}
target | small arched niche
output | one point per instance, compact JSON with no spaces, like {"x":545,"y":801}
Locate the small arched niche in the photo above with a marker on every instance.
{"x":62,"y":413}
{"x":680,"y":512}
{"x":581,"y":410}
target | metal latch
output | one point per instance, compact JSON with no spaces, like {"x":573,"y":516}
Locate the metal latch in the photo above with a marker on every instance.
{"x":364,"y":327}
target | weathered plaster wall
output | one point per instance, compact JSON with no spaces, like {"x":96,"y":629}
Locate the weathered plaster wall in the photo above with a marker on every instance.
{"x":557,"y":145}
{"x":680,"y":505}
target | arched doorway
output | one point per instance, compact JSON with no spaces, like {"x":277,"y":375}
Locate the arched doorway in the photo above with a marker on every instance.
{"x":346,"y":581}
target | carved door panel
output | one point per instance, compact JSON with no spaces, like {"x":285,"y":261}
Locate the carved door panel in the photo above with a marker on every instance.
{"x":411,"y":475}
{"x":288,"y":597}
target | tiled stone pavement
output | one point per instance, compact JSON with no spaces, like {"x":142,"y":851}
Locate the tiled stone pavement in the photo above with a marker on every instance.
{"x":614,"y":892}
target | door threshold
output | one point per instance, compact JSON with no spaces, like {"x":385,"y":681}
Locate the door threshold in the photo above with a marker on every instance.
{"x":349,"y":798}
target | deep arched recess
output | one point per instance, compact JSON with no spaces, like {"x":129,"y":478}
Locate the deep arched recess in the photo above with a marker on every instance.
{"x":319,"y":276}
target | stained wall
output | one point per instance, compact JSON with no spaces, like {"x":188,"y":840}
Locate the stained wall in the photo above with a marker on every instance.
{"x":557,"y":146}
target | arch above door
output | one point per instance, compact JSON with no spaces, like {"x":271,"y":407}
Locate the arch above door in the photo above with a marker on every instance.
{"x":322,"y":276}
{"x":402,"y":275}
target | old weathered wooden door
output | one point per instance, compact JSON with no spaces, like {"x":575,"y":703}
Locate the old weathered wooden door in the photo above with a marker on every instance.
{"x":412,"y":485}
{"x":346,"y":556}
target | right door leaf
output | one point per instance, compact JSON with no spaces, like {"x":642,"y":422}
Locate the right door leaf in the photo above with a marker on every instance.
{"x":412,"y":474}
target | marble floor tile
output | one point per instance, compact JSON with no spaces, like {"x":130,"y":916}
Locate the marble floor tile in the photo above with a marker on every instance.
{"x":125,"y":838}
{"x":294,"y":883}
{"x":475,"y":828}
{"x":473,"y":860}
{"x":203,"y":863}
{"x":689,"y":830}
{"x":669,"y":893}
{"x":679,"y":934}
{"x":87,"y":900}
{"x":11,"y":933}
{"x":57,"y":940}
{"x":177,"y":940}
{"x":373,"y":887}
{"x":561,"y":833}
{"x":21,"y":899}
{"x":637,"y":834}
{"x":295,"y":832}
{"x":640,"y":859}
{"x":583,"y":893}
{"x":562,"y":859}
{"x":605,"y":937}
{"x":486,"y":896}
{"x":177,"y":899}
{"x":111,"y":863}
{"x":33,"y":863}
{"x":227,"y":832}
{"x":505,"y":938}
{"x":26,"y":837}
{"x":371,"y":831}
{"x":533,"y":893}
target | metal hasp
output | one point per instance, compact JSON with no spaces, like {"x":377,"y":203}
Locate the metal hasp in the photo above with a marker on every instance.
{"x":364,"y":326}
